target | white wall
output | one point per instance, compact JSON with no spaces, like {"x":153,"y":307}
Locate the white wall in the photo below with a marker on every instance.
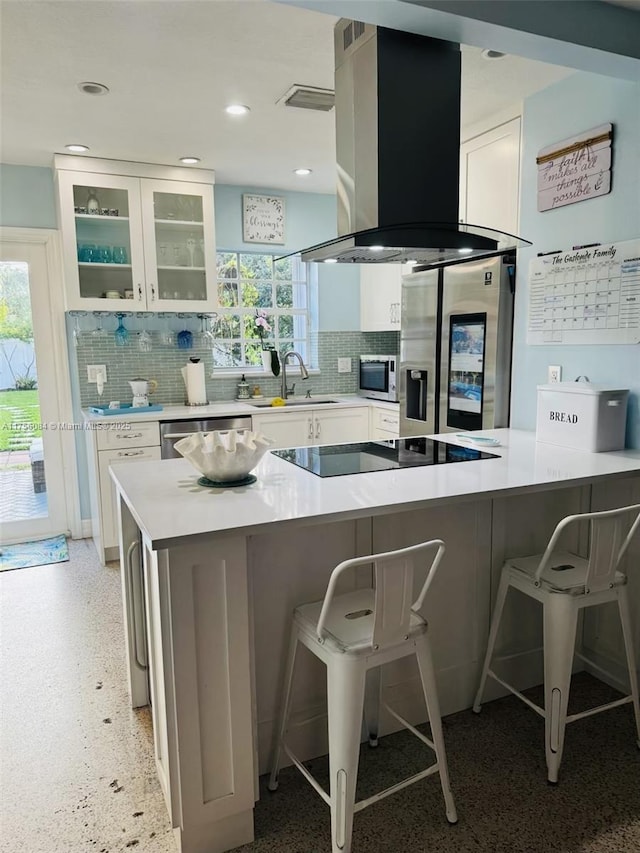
{"x":578,"y":103}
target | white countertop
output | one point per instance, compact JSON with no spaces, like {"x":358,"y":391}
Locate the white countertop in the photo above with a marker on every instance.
{"x":168,"y":504}
{"x":234,"y":407}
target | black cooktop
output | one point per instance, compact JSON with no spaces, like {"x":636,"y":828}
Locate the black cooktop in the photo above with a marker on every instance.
{"x":334,"y":460}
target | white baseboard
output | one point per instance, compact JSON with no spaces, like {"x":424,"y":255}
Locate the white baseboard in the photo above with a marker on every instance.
{"x":86,"y":528}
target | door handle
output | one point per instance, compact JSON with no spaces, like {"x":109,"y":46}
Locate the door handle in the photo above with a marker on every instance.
{"x":140,"y":660}
{"x":153,"y":292}
{"x":310,"y":428}
{"x":129,"y":437}
{"x":317,"y":429}
{"x":140,"y":291}
{"x":131,"y":453}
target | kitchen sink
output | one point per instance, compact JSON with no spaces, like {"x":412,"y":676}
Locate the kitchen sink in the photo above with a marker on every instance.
{"x":308,"y":401}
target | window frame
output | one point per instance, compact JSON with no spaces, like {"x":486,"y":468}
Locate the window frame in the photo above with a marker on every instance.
{"x":305,"y":317}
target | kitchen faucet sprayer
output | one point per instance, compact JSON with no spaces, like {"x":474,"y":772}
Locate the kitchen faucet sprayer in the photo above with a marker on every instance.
{"x":304,"y":373}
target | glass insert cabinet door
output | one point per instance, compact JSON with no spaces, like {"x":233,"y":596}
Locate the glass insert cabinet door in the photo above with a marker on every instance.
{"x":102,"y":238}
{"x":179,"y":244}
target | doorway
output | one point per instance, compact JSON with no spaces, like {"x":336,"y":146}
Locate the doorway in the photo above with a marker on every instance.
{"x":33,"y":497}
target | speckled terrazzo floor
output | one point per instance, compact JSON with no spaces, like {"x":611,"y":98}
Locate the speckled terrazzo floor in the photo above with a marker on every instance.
{"x":76,"y":766}
{"x":76,"y":769}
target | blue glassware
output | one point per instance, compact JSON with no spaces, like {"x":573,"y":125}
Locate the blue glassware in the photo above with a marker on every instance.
{"x":86,"y":252}
{"x":121,"y":334}
{"x":104,"y":254}
{"x":119,"y":255}
{"x":185,"y":339}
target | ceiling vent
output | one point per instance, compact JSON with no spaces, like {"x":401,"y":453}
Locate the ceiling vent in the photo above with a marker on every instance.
{"x":308,"y":98}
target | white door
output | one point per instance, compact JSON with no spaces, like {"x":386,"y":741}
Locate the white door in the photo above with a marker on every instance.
{"x":33,"y":503}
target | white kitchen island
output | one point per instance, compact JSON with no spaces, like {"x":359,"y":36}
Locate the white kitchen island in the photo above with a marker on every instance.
{"x":223,"y":570}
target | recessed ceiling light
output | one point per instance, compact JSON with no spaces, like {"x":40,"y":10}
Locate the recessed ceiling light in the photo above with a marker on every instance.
{"x":376,"y":248}
{"x":90,"y":88}
{"x":492,"y":54}
{"x":77,"y":149}
{"x":465,"y":251}
{"x":189,"y":161}
{"x":303,"y":171}
{"x":237,"y":109}
{"x":331,"y":261}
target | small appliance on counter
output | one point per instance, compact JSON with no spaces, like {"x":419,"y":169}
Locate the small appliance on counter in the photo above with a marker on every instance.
{"x":582,"y":415}
{"x":141,"y":389}
{"x":378,"y":377}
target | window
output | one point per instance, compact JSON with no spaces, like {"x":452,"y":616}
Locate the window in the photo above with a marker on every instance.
{"x":249,"y":283}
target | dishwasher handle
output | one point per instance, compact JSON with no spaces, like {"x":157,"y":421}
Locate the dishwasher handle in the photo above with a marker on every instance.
{"x":179,"y":434}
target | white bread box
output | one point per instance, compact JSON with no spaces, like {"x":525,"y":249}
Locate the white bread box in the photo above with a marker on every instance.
{"x":582,"y":415}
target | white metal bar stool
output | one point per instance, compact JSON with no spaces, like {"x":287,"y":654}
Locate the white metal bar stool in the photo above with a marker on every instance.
{"x":564,"y":583}
{"x":352,"y":634}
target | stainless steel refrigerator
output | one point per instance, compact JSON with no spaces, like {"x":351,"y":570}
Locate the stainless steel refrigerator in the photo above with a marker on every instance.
{"x":455,"y":347}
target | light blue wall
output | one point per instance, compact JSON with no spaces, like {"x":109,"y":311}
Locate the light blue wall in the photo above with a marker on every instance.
{"x":309,"y":218}
{"x":26,"y":197}
{"x":571,"y":106}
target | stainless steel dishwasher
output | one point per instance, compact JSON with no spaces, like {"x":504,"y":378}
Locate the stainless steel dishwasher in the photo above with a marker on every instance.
{"x":173,"y":431}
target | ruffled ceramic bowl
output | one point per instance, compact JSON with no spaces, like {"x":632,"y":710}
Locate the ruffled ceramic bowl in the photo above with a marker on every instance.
{"x":224,"y":456}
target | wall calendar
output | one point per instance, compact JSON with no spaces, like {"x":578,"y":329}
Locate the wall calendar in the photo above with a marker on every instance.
{"x":586,"y":295}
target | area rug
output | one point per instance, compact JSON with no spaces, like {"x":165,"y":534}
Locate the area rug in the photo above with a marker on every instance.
{"x":38,"y":553}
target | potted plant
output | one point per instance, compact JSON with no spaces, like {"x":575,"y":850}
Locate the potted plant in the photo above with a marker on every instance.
{"x":270,"y":359}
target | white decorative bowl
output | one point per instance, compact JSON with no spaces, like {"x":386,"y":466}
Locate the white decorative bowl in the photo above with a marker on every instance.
{"x":224,"y":456}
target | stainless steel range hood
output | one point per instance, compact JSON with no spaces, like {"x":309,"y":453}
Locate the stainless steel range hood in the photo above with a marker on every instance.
{"x":398,"y":150}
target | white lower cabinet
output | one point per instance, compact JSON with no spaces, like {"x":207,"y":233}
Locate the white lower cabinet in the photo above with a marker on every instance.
{"x":339,"y":425}
{"x":106,"y":447}
{"x":384,"y":424}
{"x":285,"y":429}
{"x":291,"y":428}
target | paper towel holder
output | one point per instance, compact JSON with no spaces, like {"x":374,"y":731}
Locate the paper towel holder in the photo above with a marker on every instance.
{"x":183,"y":370}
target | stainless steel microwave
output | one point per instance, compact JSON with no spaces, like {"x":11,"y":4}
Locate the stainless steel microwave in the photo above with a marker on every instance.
{"x":378,"y":377}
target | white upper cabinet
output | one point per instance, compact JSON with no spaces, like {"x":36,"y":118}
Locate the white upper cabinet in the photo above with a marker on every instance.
{"x":144,"y":238}
{"x":490,"y":178}
{"x":380,"y":294}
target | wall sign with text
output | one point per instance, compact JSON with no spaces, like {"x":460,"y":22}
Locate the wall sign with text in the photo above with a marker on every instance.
{"x":262,"y":219}
{"x":575,"y":169}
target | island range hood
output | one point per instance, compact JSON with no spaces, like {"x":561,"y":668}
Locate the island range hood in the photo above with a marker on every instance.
{"x":398,"y":150}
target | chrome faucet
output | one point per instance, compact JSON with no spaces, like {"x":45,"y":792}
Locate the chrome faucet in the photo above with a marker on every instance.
{"x":304,"y":373}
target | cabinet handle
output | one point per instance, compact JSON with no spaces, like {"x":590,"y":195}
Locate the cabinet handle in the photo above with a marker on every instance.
{"x":310,"y":428}
{"x":129,"y":437}
{"x":389,"y":421}
{"x":140,"y":291}
{"x":317,"y":429}
{"x":153,"y":292}
{"x":131,"y":453}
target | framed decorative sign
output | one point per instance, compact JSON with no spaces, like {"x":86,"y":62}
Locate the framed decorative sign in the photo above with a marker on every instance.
{"x":262,"y":219}
{"x":575,"y":169}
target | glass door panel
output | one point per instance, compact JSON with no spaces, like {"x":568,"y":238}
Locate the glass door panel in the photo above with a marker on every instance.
{"x":103,"y":242}
{"x":180,"y":246}
{"x":32,"y":497}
